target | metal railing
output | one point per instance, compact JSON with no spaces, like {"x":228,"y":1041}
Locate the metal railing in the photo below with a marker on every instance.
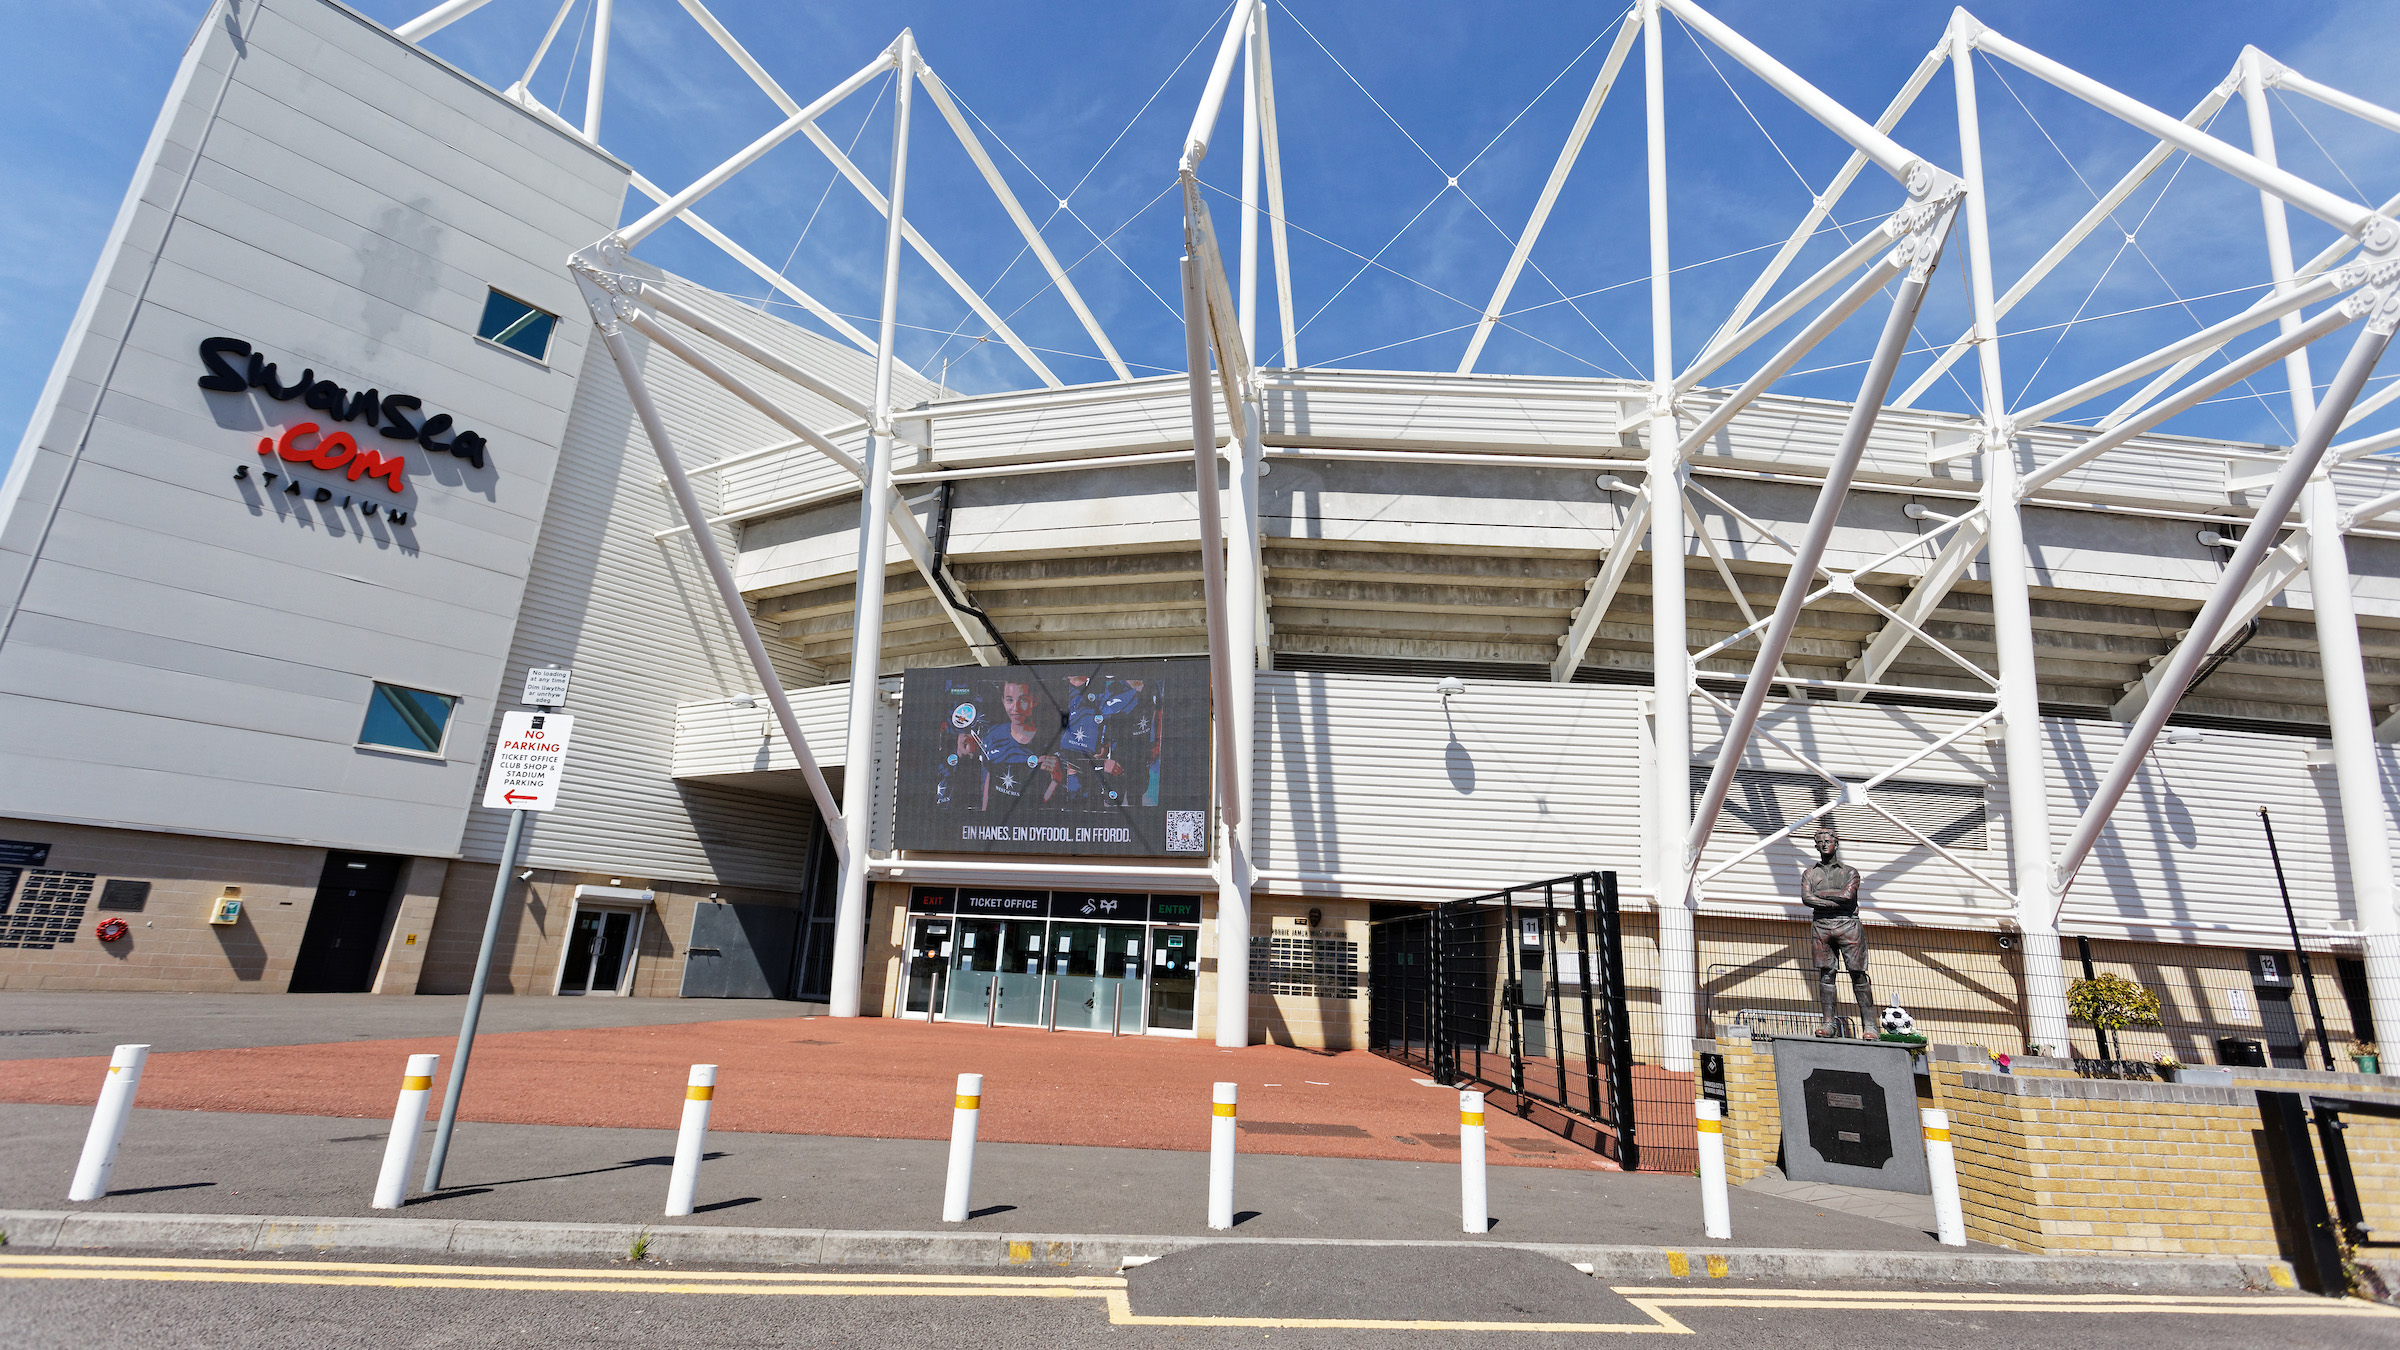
{"x":1522,"y":993}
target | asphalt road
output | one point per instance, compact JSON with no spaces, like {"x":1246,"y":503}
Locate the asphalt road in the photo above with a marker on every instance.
{"x":1203,"y":1298}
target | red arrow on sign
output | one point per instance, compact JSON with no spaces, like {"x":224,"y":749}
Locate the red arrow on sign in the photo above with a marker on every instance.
{"x":524,"y":797}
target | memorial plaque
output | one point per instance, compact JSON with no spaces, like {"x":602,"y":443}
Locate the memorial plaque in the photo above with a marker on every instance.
{"x":1849,"y":1111}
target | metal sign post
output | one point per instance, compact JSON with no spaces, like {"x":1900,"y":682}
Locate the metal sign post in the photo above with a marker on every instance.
{"x":527,"y":764}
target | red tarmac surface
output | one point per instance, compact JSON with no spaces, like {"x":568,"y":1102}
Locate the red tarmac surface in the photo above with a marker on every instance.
{"x":872,"y":1077}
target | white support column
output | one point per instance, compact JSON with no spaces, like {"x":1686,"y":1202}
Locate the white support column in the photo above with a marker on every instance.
{"x":2012,"y":611}
{"x":2357,"y":776}
{"x":609,"y":294}
{"x":1672,"y":858}
{"x":1272,"y":153}
{"x":1244,"y":572}
{"x":596,"y":88}
{"x":1233,"y":895}
{"x":1247,"y":292}
{"x":866,"y":624}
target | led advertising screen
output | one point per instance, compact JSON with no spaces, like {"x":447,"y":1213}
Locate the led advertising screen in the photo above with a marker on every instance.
{"x":1107,"y":758}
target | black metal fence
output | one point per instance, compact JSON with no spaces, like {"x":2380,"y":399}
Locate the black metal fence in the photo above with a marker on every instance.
{"x":1521,"y":993}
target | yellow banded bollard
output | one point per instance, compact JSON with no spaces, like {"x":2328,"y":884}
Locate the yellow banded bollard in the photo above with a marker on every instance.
{"x":1474,"y":1195}
{"x":1949,"y":1219}
{"x":408,"y":1121}
{"x":1716,"y":1206}
{"x":108,"y":1122}
{"x":1220,"y":1158}
{"x":699,"y":1094}
{"x":958,"y":1194}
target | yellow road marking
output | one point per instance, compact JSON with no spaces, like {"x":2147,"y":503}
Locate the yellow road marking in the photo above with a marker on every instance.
{"x":1653,"y":1302}
{"x":556,"y":1272}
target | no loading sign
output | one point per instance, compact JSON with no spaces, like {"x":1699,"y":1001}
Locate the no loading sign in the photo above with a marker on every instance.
{"x":528,"y":761}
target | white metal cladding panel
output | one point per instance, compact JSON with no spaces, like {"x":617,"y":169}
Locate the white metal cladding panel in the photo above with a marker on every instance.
{"x":1372,"y":782}
{"x":1909,"y":883}
{"x":2185,"y":851}
{"x":715,"y":738}
{"x":345,"y":211}
{"x":1137,"y":415}
{"x":638,"y":620}
{"x":1366,"y":408}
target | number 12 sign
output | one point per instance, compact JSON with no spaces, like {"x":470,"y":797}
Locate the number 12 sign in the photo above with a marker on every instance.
{"x":528,"y":762}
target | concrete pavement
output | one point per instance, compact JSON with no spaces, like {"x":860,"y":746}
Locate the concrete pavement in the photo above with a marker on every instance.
{"x":258,"y":1164}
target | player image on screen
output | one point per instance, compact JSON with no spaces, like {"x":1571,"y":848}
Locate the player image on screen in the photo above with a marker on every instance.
{"x":1099,"y":758}
{"x":1020,"y":760}
{"x":1130,"y":742}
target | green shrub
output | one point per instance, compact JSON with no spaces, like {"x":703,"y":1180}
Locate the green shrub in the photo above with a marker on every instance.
{"x":2111,"y":1003}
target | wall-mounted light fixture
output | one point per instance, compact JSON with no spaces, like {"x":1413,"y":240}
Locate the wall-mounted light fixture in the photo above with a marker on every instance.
{"x":742,"y":701}
{"x":1449,"y":686}
{"x":2185,"y":736}
{"x":1609,"y":482}
{"x":2212,"y":539}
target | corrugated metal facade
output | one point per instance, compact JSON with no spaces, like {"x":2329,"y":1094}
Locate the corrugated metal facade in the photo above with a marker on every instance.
{"x":636,"y":618}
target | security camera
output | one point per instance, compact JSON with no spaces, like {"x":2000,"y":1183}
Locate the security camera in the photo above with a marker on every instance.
{"x":1450,"y":685}
{"x":2008,"y":942}
{"x":526,"y":875}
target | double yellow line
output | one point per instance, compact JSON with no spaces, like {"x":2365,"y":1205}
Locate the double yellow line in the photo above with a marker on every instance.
{"x":1110,"y":1291}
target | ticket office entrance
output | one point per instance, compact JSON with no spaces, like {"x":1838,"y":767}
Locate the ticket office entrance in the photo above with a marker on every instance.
{"x":1080,"y":960}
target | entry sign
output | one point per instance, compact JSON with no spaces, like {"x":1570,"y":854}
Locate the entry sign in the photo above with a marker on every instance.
{"x":528,"y":762}
{"x":546,"y":686}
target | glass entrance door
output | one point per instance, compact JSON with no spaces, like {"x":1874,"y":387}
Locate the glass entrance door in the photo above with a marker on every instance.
{"x":1075,"y":976}
{"x":1117,"y":1001}
{"x":974,"y":970}
{"x":1020,"y":977}
{"x":928,"y":965}
{"x":1175,"y":978}
{"x":597,"y":947}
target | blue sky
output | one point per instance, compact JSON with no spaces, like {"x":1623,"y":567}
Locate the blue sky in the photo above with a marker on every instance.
{"x":1381,"y":105}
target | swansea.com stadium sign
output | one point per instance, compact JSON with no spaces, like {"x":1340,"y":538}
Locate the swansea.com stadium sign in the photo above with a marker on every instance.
{"x":1109,"y":757}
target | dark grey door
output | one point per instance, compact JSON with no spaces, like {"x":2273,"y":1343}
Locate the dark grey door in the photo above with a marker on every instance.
{"x":739,"y":951}
{"x":338,"y":950}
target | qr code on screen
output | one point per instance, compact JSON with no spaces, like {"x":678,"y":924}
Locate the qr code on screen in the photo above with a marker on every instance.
{"x":1187,"y":831}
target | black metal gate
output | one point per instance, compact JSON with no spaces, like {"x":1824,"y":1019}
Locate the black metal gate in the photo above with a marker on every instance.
{"x":1522,"y":993}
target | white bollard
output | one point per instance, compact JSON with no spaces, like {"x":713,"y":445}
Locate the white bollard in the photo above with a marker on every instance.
{"x":408,"y":1122}
{"x":1474,"y":1195}
{"x":958,"y":1194}
{"x":1220,"y":1159}
{"x":691,"y":1140}
{"x":1949,"y":1218}
{"x":108,"y":1122}
{"x":1716,"y":1208}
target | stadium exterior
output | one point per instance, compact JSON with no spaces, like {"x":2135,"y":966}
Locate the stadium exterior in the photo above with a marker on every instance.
{"x":1994,"y":624}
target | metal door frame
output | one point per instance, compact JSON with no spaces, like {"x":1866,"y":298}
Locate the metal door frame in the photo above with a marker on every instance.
{"x":633,"y":947}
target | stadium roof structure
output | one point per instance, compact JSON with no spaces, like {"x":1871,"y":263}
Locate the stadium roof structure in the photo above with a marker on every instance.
{"x":2278,"y":512}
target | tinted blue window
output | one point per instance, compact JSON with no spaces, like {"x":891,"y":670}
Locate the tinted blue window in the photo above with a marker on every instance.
{"x":406,"y":719}
{"x":517,"y":326}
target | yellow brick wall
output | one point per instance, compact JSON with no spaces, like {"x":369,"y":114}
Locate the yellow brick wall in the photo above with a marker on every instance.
{"x":2157,"y":1170}
{"x":1753,"y":1124}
